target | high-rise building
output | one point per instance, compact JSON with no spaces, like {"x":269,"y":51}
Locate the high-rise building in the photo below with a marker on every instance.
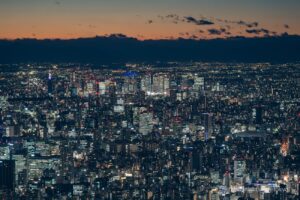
{"x":50,"y":83}
{"x":198,"y":83}
{"x":208,"y":125}
{"x":161,"y":85}
{"x":197,"y":160}
{"x":146,"y":84}
{"x":259,"y":118}
{"x":7,"y":175}
{"x":102,"y":88}
{"x":20,"y":167}
{"x":4,"y":152}
{"x":239,"y":169}
{"x":129,"y":85}
{"x":143,"y":118}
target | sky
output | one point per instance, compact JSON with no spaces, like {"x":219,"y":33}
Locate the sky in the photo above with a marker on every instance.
{"x":148,"y":19}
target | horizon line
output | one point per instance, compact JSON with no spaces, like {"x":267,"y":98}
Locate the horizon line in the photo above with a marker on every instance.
{"x":120,"y":36}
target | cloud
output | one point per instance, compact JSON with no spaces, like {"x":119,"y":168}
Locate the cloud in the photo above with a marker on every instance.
{"x":193,"y":37}
{"x":175,"y":19}
{"x":173,"y":16}
{"x":199,"y":22}
{"x":258,"y":31}
{"x":118,"y":35}
{"x":240,"y":23}
{"x":274,"y":33}
{"x":150,"y":21}
{"x":248,"y":24}
{"x":184,"y":33}
{"x":225,"y":25}
{"x":214,"y":31}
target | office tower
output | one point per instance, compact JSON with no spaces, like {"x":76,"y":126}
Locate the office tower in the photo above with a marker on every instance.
{"x":226,"y":179}
{"x":74,"y":91}
{"x":161,"y":85}
{"x":146,"y":122}
{"x":129,"y":85}
{"x":197,"y":160}
{"x":198,"y":83}
{"x":50,"y":84}
{"x":239,"y":170}
{"x":214,"y":195}
{"x":102,"y":88}
{"x":73,"y":77}
{"x":143,"y":118}
{"x":89,"y":89}
{"x":20,"y":169}
{"x":146,"y":84}
{"x":7,"y":175}
{"x":4,"y":102}
{"x":4,"y":152}
{"x":208,"y":125}
{"x":257,"y":113}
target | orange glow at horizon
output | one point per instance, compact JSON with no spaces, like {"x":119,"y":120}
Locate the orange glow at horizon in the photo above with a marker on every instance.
{"x":142,"y":33}
{"x":75,"y":19}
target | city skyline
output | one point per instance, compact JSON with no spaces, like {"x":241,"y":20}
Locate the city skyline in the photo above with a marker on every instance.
{"x":149,"y":99}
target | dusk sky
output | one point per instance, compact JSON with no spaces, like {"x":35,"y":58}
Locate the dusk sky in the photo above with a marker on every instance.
{"x":148,"y":19}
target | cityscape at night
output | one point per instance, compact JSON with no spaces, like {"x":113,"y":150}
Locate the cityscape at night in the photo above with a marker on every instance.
{"x":191,"y":131}
{"x":149,"y":100}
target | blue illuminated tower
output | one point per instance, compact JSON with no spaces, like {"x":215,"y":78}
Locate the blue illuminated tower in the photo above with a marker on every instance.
{"x":50,"y":84}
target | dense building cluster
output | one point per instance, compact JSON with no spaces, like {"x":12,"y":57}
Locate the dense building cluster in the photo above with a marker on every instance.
{"x":206,"y":131}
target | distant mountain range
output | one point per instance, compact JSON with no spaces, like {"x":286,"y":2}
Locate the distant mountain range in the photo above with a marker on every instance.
{"x":119,"y":48}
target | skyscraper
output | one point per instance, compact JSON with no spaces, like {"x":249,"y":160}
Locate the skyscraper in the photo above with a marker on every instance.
{"x":50,"y":84}
{"x":208,"y":125}
{"x":239,"y":169}
{"x":7,"y":177}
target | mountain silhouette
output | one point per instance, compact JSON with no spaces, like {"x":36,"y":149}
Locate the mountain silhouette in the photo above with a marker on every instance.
{"x":120,"y":48}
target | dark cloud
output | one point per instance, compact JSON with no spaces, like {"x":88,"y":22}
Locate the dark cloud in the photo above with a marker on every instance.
{"x":174,"y":18}
{"x":240,"y":22}
{"x":57,"y":2}
{"x":150,"y":21}
{"x":214,"y":31}
{"x":286,"y":26}
{"x":184,"y":34}
{"x":258,"y":31}
{"x":193,"y":37}
{"x":199,"y":22}
{"x":205,"y":21}
{"x":247,"y":24}
{"x":117,"y":35}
